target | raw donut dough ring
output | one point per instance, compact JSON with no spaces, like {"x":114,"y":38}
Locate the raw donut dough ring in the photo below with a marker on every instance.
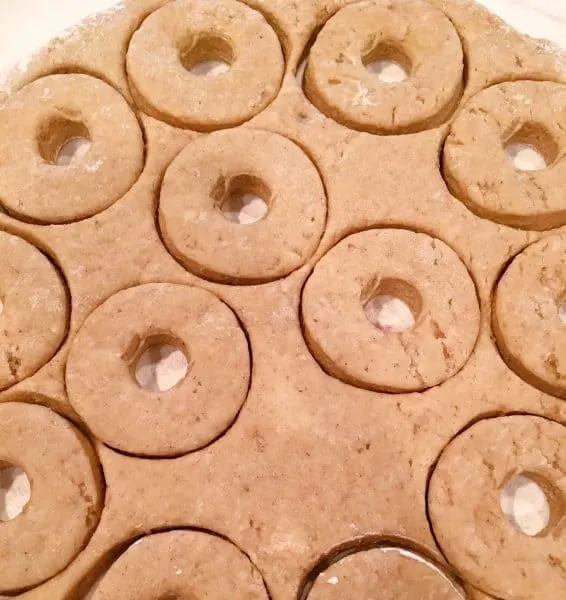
{"x":202,"y":177}
{"x":66,"y":494}
{"x":384,"y":575}
{"x":526,"y":318}
{"x":478,"y":171}
{"x":466,"y":516}
{"x":182,"y":564}
{"x":35,"y":310}
{"x":190,"y":31}
{"x":102,"y":387}
{"x":419,"y":269}
{"x":35,"y":123}
{"x":413,"y":33}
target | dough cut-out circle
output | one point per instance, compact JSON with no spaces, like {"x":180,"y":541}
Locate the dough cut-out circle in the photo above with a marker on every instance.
{"x":35,"y":124}
{"x":182,"y":34}
{"x":386,"y":573}
{"x":423,"y":272}
{"x":474,"y":534}
{"x":182,"y":564}
{"x":153,"y":423}
{"x":370,"y":238}
{"x":213,"y":169}
{"x":66,"y":494}
{"x":528,"y":315}
{"x":35,"y":309}
{"x":414,"y":34}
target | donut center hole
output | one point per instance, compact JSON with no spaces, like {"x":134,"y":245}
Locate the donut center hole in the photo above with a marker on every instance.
{"x":161,"y":363}
{"x":392,"y":305}
{"x":532,"y":148}
{"x":208,"y":56}
{"x":244,"y":199}
{"x":62,"y":141}
{"x":531,"y":504}
{"x":15,"y":491}
{"x":388,"y":63}
{"x":561,"y":311}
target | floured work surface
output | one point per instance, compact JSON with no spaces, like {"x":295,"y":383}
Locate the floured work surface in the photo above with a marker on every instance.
{"x":355,"y":286}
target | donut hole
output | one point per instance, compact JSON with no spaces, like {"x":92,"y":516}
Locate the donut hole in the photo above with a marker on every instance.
{"x":210,"y":55}
{"x":532,"y":148}
{"x":161,"y":363}
{"x":531,"y":504}
{"x":15,"y":491}
{"x":561,"y":311}
{"x":388,"y":63}
{"x":243,"y":199}
{"x":393,"y":305}
{"x":62,"y":141}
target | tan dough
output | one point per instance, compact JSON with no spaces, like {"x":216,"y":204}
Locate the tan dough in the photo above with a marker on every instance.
{"x":527,"y":324}
{"x":66,"y":495}
{"x":35,"y":309}
{"x":381,"y":575}
{"x":478,"y":170}
{"x":37,"y":121}
{"x":182,"y":564}
{"x":182,"y":34}
{"x":213,"y":168}
{"x":100,"y":370}
{"x":414,"y":34}
{"x":465,"y":512}
{"x":420,"y":270}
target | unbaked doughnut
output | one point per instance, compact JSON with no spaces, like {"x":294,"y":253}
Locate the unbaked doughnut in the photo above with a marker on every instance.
{"x":34,"y":309}
{"x":101,"y":380}
{"x":38,"y":120}
{"x":465,"y":512}
{"x":478,"y":170}
{"x":420,"y":270}
{"x":184,"y":33}
{"x":527,"y":315}
{"x":413,"y":33}
{"x":66,"y":494}
{"x":182,"y":564}
{"x":213,"y":168}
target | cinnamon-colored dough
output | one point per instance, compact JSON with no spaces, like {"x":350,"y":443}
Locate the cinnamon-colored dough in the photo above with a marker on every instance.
{"x":184,"y":33}
{"x":480,"y":173}
{"x":212,"y":168}
{"x":35,"y":309}
{"x":100,"y":370}
{"x":527,"y":323}
{"x":66,"y":496}
{"x":412,"y":33}
{"x":182,"y":564}
{"x":35,"y":123}
{"x":420,"y":270}
{"x":469,"y":525}
{"x":382,"y":574}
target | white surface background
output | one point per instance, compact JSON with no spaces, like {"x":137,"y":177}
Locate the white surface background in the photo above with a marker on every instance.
{"x":26,"y":25}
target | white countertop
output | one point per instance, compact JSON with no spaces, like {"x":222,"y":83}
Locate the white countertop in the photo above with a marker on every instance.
{"x":26,"y":25}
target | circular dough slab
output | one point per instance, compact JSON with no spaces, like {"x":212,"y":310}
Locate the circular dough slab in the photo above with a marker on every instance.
{"x":101,"y":379}
{"x":182,"y":564}
{"x":37,"y":121}
{"x":185,"y":33}
{"x":478,"y":170}
{"x":464,"y":507}
{"x":66,"y":496}
{"x":382,"y":574}
{"x":420,"y":270}
{"x":413,"y":33}
{"x":34,"y":310}
{"x":208,"y":172}
{"x":527,"y":321}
